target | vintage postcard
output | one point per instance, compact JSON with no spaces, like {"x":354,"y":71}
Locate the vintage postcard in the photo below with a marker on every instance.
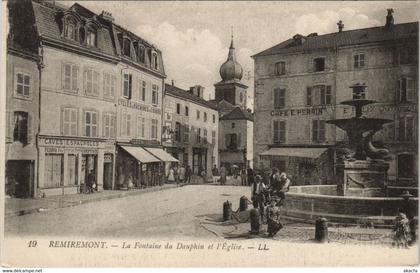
{"x":209,"y":133}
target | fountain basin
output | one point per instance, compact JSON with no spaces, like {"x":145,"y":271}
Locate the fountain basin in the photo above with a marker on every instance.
{"x":359,"y":124}
{"x":308,"y":203}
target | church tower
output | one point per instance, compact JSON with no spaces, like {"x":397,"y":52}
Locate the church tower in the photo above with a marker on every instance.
{"x":230,"y":87}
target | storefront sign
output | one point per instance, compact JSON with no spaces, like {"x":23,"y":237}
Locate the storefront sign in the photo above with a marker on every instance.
{"x":136,"y":141}
{"x":298,"y":112}
{"x":139,"y":106}
{"x":63,"y":142}
{"x":53,"y":150}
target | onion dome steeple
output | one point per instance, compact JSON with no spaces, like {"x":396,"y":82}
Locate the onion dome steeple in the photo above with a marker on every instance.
{"x":231,"y":69}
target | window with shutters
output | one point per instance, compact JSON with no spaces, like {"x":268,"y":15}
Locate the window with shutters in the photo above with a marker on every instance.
{"x":90,"y":123}
{"x":70,"y":77}
{"x":125,"y":124}
{"x":187,"y":111}
{"x":279,"y":131}
{"x":23,"y":84}
{"x":110,"y":82}
{"x":198,"y":139}
{"x":319,"y":64}
{"x":155,"y":94}
{"x":280,"y":68}
{"x":69,"y":123}
{"x":142,"y":90}
{"x":205,"y":135}
{"x":406,"y":128}
{"x":213,"y":137}
{"x":177,"y":131}
{"x":109,"y":125}
{"x":127,"y":88}
{"x":318,"y":131}
{"x":359,"y":60}
{"x":91,"y":82}
{"x":319,"y":95}
{"x":406,"y":90}
{"x":186,"y":133}
{"x":279,"y":98}
{"x":21,"y":127}
{"x":70,"y":29}
{"x":141,"y":126}
{"x":154,"y":130}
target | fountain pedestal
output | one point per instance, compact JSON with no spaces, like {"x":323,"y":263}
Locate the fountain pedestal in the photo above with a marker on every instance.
{"x":362,"y":177}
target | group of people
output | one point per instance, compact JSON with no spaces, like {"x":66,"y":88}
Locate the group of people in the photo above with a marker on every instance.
{"x":269,"y":196}
{"x":180,"y":174}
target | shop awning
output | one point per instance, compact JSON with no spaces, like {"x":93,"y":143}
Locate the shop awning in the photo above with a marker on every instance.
{"x":295,"y":152}
{"x":162,"y":155}
{"x":140,"y":154}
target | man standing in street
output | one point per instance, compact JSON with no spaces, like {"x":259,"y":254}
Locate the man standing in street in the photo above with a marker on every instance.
{"x":284,"y":183}
{"x":215,"y":174}
{"x":222,"y":175}
{"x":181,"y":173}
{"x":188,"y":174}
{"x":250,"y":176}
{"x":257,"y":195}
{"x":91,"y":181}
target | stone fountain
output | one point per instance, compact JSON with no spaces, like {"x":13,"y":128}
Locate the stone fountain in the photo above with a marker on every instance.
{"x":362,"y":168}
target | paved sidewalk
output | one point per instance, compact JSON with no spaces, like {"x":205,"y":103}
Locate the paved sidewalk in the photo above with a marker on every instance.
{"x":17,"y":207}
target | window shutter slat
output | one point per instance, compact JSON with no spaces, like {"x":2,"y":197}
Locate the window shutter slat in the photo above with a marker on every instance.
{"x":29,"y":128}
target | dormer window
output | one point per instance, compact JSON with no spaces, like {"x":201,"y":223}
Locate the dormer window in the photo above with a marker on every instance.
{"x":91,"y":37}
{"x":70,"y":29}
{"x":154,"y":60}
{"x":126,"y":47}
{"x":141,"y":53}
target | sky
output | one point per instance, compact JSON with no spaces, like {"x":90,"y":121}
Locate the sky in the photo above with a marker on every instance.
{"x":194,"y":37}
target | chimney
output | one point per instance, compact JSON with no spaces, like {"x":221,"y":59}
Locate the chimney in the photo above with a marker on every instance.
{"x":106,"y":16}
{"x":197,"y":90}
{"x":340,"y":26}
{"x":389,"y":18}
{"x":299,"y":39}
{"x":173,"y":82}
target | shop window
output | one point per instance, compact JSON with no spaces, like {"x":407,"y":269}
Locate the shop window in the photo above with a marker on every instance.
{"x":127,"y":85}
{"x":280,"y":68}
{"x":154,"y":130}
{"x":91,"y":82}
{"x":231,"y":141}
{"x":186,"y":133}
{"x":109,"y":125}
{"x":319,"y":64}
{"x":178,"y":108}
{"x":318,"y":130}
{"x":279,"y":98}
{"x":109,"y":85}
{"x":318,"y":95}
{"x":406,"y":166}
{"x":279,"y":131}
{"x":125,"y":124}
{"x":406,"y":90}
{"x":205,"y":117}
{"x":70,"y":77}
{"x":23,"y":84}
{"x":406,"y":128}
{"x":141,"y":126}
{"x":187,"y":112}
{"x":21,"y":127}
{"x":91,"y":37}
{"x":213,"y":137}
{"x":198,"y":114}
{"x":177,"y":131}
{"x":142,"y":90}
{"x":155,"y":91}
{"x":69,"y":116}
{"x":53,"y":170}
{"x":70,"y":29}
{"x":359,"y":60}
{"x":91,"y":123}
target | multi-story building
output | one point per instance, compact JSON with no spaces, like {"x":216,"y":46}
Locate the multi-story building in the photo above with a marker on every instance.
{"x":99,"y":86}
{"x":236,"y":122}
{"x":22,"y":111}
{"x":301,"y":82}
{"x":191,"y":128}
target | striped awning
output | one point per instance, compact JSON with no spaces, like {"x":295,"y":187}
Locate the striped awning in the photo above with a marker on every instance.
{"x":140,"y":154}
{"x":161,"y":154}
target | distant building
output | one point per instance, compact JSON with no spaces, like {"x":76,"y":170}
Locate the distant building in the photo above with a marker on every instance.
{"x":236,"y":122}
{"x":191,"y":127}
{"x":301,"y":81}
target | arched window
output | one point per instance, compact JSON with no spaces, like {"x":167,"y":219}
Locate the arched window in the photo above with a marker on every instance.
{"x":126,"y":47}
{"x":70,"y":29}
{"x":141,"y":53}
{"x":91,"y":36}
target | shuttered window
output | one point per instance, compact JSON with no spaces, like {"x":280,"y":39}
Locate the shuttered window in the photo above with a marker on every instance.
{"x":406,"y":90}
{"x":186,"y":133}
{"x":319,"y":95}
{"x":279,"y":98}
{"x":23,"y":84}
{"x":141,"y":126}
{"x":318,"y":130}
{"x":91,"y":123}
{"x":69,"y":121}
{"x":279,"y":131}
{"x":110,"y":82}
{"x":109,"y":125}
{"x":127,"y":86}
{"x":406,"y":128}
{"x":154,"y":129}
{"x":70,"y":77}
{"x":91,"y":82}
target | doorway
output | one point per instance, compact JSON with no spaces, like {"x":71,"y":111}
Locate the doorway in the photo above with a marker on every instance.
{"x":19,"y":178}
{"x":108,"y":171}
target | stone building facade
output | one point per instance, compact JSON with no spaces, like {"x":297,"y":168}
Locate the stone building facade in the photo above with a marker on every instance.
{"x":301,"y":81}
{"x":99,"y":105}
{"x":191,"y":128}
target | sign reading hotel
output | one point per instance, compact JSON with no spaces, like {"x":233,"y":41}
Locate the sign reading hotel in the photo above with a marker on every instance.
{"x":139,"y":106}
